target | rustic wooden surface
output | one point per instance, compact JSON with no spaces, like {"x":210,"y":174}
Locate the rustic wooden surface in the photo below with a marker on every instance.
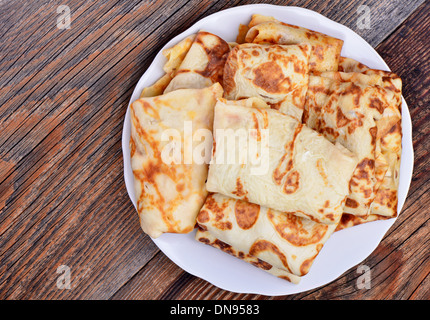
{"x":63,"y":97}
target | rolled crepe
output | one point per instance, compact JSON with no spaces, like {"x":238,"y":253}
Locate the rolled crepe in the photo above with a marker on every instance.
{"x":388,"y":80}
{"x":283,"y":240}
{"x":295,"y":169}
{"x":207,"y":238}
{"x":325,"y":50}
{"x":203,"y":64}
{"x":386,"y":199}
{"x":275,"y":73}
{"x":169,"y":182}
{"x":356,"y":111}
{"x":174,"y":55}
{"x":349,"y":220}
{"x":351,"y":65}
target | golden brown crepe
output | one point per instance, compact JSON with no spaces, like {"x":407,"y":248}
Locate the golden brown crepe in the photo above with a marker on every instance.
{"x":351,"y":65}
{"x":389,"y":135}
{"x":157,"y":88}
{"x":298,"y":173}
{"x":283,"y":240}
{"x":349,"y":220}
{"x":347,"y":110}
{"x":275,"y":73}
{"x":259,"y":18}
{"x":388,"y":139}
{"x":294,"y":170}
{"x":169,"y":183}
{"x":207,"y":238}
{"x":325,"y":50}
{"x":389,"y":80}
{"x":174,"y":55}
{"x":203,"y":64}
{"x":255,"y":19}
{"x":386,"y":199}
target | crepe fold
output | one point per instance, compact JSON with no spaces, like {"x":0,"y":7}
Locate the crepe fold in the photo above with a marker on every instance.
{"x":203,"y":64}
{"x":325,"y":50}
{"x":266,"y":157}
{"x":207,"y":238}
{"x":281,"y":243}
{"x":278,"y":74}
{"x":169,"y":183}
{"x":359,"y":111}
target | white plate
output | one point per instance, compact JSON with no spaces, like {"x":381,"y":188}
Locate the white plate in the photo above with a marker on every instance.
{"x":345,"y":249}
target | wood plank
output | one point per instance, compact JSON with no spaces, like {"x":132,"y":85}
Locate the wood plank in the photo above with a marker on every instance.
{"x":70,"y":238}
{"x":73,"y":106}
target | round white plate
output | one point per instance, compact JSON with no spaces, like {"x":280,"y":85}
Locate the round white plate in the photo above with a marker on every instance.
{"x":345,"y":249}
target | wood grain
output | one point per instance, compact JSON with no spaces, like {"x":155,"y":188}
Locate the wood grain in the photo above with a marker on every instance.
{"x":63,"y":97}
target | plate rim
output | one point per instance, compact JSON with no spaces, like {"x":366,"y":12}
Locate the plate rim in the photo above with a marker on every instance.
{"x":406,"y":124}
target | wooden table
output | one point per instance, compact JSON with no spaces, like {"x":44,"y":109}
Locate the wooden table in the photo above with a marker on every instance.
{"x":63,"y":202}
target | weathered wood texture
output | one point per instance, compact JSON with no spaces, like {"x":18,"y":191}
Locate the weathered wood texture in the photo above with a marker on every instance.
{"x":63,"y":97}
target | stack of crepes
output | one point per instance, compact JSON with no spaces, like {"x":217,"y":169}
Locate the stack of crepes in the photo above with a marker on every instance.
{"x":303,"y":143}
